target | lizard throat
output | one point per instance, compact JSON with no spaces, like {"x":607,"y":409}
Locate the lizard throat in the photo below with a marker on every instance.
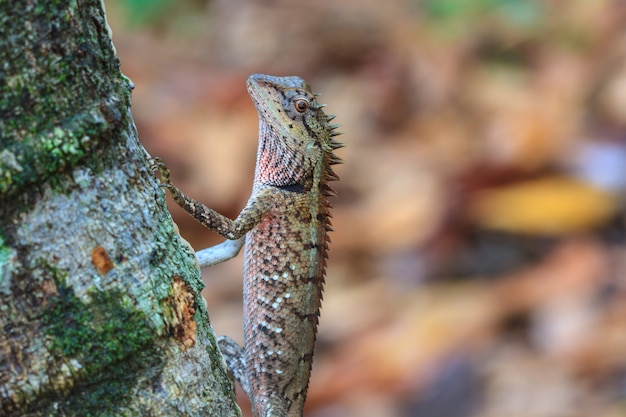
{"x":277,"y":164}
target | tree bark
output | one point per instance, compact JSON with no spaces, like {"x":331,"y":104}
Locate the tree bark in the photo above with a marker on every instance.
{"x":100,"y":305}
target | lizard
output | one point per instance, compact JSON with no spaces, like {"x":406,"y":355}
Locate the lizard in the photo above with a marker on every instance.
{"x":284,"y":227}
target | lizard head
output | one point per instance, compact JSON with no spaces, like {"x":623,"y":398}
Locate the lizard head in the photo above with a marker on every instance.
{"x":295,"y":135}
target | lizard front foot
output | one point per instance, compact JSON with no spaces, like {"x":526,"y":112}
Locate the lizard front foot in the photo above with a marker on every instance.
{"x":157,"y":164}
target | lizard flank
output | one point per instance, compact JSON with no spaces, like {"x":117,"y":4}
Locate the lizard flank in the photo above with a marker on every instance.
{"x":285,"y":228}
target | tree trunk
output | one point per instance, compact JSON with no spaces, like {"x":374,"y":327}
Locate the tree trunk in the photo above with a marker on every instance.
{"x":100,"y":306}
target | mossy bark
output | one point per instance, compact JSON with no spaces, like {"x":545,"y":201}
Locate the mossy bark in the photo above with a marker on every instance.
{"x":100,"y":305}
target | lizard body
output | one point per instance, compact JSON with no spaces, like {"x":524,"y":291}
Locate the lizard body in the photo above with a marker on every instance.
{"x":285,"y":225}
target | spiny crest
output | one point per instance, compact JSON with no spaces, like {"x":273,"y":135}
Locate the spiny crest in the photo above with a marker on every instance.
{"x":330,"y":175}
{"x":333,"y":143}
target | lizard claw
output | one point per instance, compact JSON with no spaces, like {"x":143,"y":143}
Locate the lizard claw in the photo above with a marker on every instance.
{"x":167,"y":186}
{"x":157,"y":164}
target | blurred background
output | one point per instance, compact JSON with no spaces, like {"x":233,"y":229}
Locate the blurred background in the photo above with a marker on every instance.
{"x":478,"y":267}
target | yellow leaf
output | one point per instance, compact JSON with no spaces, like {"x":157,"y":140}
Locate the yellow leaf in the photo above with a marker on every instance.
{"x":553,"y":205}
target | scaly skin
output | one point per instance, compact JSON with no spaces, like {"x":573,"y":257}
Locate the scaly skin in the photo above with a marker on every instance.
{"x":286,"y":220}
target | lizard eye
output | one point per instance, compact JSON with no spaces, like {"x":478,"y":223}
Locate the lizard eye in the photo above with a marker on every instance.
{"x":301,"y":105}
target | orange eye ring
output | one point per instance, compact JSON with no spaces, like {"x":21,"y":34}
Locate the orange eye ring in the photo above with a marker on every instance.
{"x":301,"y":105}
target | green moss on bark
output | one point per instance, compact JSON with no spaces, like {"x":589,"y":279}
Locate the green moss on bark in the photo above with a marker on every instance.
{"x":57,"y":103}
{"x":88,"y":342}
{"x":99,"y":334}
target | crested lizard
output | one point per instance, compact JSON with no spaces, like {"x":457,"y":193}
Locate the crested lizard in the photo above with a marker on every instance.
{"x":284,"y":226}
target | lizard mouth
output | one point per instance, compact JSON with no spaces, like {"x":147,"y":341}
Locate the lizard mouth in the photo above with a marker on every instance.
{"x":260,"y":87}
{"x":267,"y":94}
{"x":255,"y":88}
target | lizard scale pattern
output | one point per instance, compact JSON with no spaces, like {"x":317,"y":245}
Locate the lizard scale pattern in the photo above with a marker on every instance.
{"x":285,"y":223}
